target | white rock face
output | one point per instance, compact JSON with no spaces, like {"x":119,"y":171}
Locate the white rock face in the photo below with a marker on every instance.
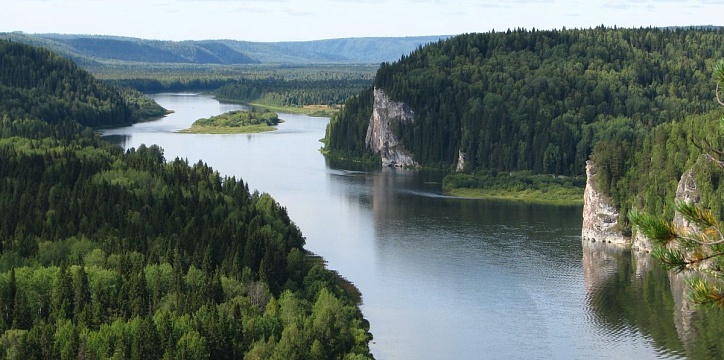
{"x":686,"y":191}
{"x":461,"y":161}
{"x":599,"y":216}
{"x":380,"y":138}
{"x":641,"y":243}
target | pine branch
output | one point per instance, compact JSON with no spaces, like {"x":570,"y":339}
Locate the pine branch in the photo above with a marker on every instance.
{"x":653,"y":227}
{"x":704,"y":292}
{"x":704,"y":219}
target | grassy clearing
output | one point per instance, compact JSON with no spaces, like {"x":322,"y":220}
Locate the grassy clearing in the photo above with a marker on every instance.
{"x":532,"y":196}
{"x":311,"y":110}
{"x":521,"y":186}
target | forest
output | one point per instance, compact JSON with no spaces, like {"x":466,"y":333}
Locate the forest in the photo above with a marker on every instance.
{"x":540,"y":101}
{"x":106,"y":253}
{"x":34,"y":83}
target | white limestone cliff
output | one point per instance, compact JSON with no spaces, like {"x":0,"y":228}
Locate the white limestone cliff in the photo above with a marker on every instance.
{"x":600,"y":217}
{"x":687,"y":191}
{"x":380,"y":138}
{"x":461,"y":161}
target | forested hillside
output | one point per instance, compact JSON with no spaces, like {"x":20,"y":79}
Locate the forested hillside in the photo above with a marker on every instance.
{"x":112,"y":254}
{"x":537,"y":100}
{"x":36,"y":84}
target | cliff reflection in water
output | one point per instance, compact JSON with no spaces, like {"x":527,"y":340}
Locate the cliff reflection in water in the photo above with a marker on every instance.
{"x":629,"y":292}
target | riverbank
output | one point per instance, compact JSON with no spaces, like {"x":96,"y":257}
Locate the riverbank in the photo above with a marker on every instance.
{"x":529,"y":196}
{"x":520,"y":186}
{"x":311,"y":110}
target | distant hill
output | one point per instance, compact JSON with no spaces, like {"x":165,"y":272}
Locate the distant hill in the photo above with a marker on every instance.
{"x":97,"y":49}
{"x":350,"y":50}
{"x":40,"y":85}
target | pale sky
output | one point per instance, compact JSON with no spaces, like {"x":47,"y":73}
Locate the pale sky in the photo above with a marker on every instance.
{"x":291,"y":20}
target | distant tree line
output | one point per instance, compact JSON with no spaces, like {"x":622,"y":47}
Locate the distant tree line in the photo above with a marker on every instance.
{"x":298,"y":88}
{"x":176,"y":84}
{"x":286,"y":92}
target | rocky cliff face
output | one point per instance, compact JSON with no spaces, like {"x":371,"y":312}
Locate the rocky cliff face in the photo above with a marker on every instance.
{"x":686,"y":191}
{"x":380,"y":138}
{"x":600,"y":217}
{"x":461,"y":161}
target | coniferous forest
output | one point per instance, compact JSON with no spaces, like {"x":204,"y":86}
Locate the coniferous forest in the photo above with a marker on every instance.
{"x":537,"y":100}
{"x":37,"y":84}
{"x":113,"y":254}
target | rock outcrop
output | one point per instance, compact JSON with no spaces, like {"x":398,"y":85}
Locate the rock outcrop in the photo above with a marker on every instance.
{"x":641,"y":243}
{"x":686,"y":191}
{"x":461,"y":161}
{"x":380,"y":138}
{"x":600,"y":217}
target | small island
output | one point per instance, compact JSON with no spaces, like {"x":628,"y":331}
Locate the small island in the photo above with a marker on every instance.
{"x":236,"y":122}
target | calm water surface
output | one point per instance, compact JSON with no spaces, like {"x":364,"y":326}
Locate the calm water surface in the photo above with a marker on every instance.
{"x":443,"y":278}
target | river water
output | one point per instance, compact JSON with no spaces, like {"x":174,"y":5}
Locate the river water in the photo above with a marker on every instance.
{"x":441,"y":277}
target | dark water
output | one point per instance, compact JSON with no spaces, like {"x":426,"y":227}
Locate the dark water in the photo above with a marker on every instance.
{"x":447,"y":278}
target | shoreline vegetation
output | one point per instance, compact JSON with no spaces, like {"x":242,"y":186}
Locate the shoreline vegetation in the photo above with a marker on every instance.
{"x":236,"y":122}
{"x":517,"y":186}
{"x":311,"y":110}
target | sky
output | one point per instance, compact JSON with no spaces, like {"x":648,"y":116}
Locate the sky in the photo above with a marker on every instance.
{"x":293,"y":20}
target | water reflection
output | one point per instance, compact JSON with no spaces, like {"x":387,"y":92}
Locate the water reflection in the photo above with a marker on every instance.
{"x":630,"y":293}
{"x":118,"y":139}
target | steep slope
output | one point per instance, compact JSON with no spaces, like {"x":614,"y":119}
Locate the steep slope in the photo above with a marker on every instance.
{"x":537,"y":100}
{"x":36,"y":84}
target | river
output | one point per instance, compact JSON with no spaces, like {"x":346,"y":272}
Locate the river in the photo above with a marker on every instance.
{"x":442,"y":277}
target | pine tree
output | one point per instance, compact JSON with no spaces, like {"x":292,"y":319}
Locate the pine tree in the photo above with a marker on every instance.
{"x":63,"y":294}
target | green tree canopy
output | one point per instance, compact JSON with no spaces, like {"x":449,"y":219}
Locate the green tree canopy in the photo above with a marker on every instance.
{"x":698,"y":247}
